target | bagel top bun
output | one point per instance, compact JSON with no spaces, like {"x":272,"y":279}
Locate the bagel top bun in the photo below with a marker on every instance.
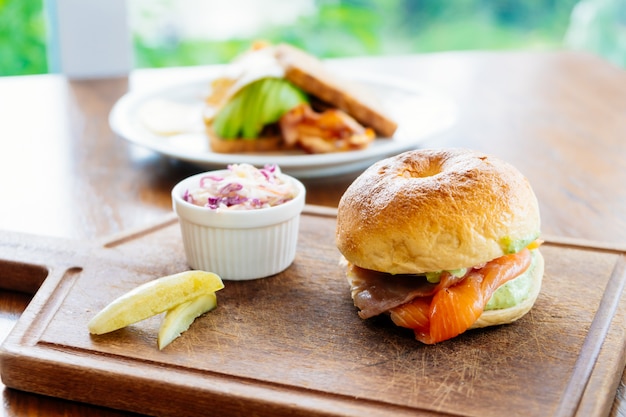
{"x":435,"y":209}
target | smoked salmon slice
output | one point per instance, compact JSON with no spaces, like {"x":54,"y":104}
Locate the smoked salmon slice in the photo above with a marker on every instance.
{"x":453,"y":310}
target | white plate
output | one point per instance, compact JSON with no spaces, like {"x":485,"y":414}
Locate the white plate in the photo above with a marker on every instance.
{"x":419,"y":112}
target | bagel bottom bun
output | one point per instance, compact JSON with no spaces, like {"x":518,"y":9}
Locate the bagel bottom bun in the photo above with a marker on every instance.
{"x":509,"y":315}
{"x":423,"y":221}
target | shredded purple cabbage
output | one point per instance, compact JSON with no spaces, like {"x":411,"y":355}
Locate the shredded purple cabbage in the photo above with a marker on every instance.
{"x":227,"y":192}
{"x":204,"y":180}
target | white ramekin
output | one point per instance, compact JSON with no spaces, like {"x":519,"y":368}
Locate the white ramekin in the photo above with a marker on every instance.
{"x":238,"y":244}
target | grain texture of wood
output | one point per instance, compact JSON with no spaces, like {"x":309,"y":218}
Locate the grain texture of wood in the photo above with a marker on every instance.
{"x":292,"y":344}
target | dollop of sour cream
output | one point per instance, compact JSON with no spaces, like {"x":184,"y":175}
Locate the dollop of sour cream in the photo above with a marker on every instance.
{"x":242,"y":187}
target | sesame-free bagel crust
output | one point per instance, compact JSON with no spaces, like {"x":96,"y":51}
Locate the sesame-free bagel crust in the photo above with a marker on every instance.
{"x":435,"y":209}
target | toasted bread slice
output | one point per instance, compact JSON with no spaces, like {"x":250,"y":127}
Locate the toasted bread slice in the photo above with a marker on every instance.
{"x":239,"y":145}
{"x":308,"y":73}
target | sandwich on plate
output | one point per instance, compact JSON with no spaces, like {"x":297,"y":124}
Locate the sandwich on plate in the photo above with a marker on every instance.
{"x":278,"y":97}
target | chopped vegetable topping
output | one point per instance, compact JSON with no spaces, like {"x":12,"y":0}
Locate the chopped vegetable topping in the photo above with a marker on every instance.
{"x":242,"y":187}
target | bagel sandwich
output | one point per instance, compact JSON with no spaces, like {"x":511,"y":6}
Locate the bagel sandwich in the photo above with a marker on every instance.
{"x":442,"y":241}
{"x":278,"y":97}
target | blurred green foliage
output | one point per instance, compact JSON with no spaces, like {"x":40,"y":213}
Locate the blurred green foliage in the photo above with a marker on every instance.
{"x":378,"y":27}
{"x":599,"y":26}
{"x":338,"y":28}
{"x":22,"y":37}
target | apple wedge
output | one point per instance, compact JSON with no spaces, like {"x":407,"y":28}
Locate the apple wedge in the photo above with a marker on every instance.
{"x":154,"y":297}
{"x":178,"y":319}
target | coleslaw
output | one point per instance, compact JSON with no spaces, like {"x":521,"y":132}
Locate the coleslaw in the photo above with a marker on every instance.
{"x":242,"y":187}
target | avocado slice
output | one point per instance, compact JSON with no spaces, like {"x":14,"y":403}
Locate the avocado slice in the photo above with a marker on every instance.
{"x":256,"y":105}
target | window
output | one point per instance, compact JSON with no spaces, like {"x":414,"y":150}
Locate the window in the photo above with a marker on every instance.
{"x":192,"y":32}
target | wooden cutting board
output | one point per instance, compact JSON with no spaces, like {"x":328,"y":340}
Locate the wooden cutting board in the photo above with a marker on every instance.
{"x":293,"y":344}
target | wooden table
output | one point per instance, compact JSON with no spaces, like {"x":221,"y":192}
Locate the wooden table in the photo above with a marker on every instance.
{"x":559,"y":117}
